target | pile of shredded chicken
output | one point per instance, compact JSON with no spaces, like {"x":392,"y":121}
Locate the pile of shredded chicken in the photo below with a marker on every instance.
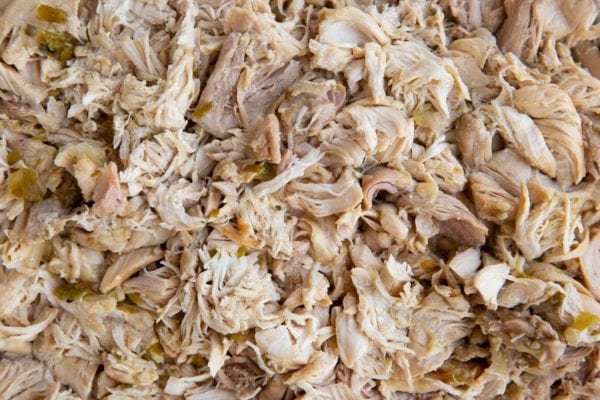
{"x":303,"y":199}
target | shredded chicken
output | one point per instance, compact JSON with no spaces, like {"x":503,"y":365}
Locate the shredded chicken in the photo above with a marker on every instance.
{"x":276,"y":200}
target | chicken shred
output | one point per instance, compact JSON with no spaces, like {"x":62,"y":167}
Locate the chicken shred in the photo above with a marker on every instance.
{"x":308,"y":199}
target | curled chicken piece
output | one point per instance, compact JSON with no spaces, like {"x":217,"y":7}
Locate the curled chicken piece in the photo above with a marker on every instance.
{"x":474,"y":141}
{"x":590,"y":265}
{"x":283,"y":349}
{"x":236,"y":294}
{"x":242,"y":376}
{"x":82,"y":160}
{"x":476,"y":13}
{"x":158,"y":285}
{"x":489,"y":281}
{"x":72,"y":153}
{"x":530,"y":23}
{"x":172,"y":202}
{"x":491,"y":201}
{"x":443,"y":320}
{"x":77,"y":373}
{"x":509,"y":170}
{"x":544,"y":219}
{"x":524,"y":291}
{"x":589,"y":55}
{"x":266,"y":139}
{"x":324,"y":199}
{"x":17,"y":339}
{"x":267,"y":85}
{"x":180,"y":88}
{"x":417,"y":75}
{"x":525,"y":333}
{"x":387,"y":329}
{"x":216,"y":102}
{"x":352,"y":343}
{"x":527,"y":139}
{"x":466,"y":263}
{"x":381,"y":178}
{"x":310,"y":104}
{"x":555,"y":115}
{"x":349,"y":26}
{"x":318,"y":371}
{"x":107,"y":195}
{"x":381,"y":130}
{"x":496,"y":188}
{"x":127,"y":265}
{"x":295,"y":170}
{"x":452,"y":217}
{"x":235,"y":94}
{"x":130,"y":370}
{"x":444,"y":167}
{"x":13,"y":82}
{"x":21,"y":374}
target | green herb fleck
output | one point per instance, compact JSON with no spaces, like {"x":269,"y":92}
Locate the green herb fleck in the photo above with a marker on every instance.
{"x":201,"y":110}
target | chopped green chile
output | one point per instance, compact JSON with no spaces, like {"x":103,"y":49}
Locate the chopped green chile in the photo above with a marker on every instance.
{"x":135,"y":298}
{"x":128,"y":308}
{"x":198,"y":361}
{"x":24,"y":184}
{"x":55,"y":93}
{"x":242,"y":251}
{"x":156,"y":348}
{"x":60,"y":46}
{"x":263,"y":171}
{"x":72,"y":292}
{"x":154,"y":352}
{"x":201,"y":110}
{"x":50,"y":14}
{"x":239,"y":337}
{"x":14,"y":156}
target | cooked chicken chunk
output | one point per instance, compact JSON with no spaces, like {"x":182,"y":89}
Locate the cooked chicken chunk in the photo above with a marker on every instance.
{"x":127,"y":265}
